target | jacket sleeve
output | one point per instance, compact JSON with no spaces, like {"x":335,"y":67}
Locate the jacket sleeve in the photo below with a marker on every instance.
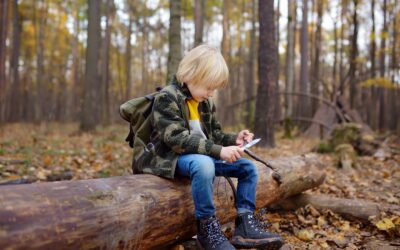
{"x":168,"y":121}
{"x":225,"y":139}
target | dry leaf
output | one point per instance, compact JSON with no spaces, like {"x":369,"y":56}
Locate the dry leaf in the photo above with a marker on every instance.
{"x":385,"y":224}
{"x":305,"y":235}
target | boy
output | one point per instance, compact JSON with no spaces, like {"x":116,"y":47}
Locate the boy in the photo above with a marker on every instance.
{"x":188,"y":142}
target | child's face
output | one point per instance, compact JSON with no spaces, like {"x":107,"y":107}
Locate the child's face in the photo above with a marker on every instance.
{"x":199,"y":92}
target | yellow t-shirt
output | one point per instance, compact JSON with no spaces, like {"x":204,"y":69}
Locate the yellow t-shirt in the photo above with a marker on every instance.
{"x":194,"y":118}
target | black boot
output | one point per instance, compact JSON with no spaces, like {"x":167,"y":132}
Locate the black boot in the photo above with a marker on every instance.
{"x":210,"y":236}
{"x":249,"y":233}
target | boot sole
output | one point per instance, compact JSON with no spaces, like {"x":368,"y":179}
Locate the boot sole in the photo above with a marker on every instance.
{"x":267,"y":244}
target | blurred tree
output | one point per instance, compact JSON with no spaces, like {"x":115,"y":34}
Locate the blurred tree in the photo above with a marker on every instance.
{"x":303,"y":104}
{"x":353,"y":56}
{"x":199,"y":8}
{"x":175,"y":46}
{"x":13,"y":110}
{"x":267,"y":62}
{"x":90,"y":117}
{"x":105,"y":72}
{"x":4,"y":9}
{"x":290,"y":56}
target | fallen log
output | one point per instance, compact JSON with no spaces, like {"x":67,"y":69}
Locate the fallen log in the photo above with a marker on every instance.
{"x":129,"y":212}
{"x":357,"y":209}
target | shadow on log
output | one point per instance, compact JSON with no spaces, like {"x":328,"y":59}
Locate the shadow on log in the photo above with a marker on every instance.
{"x":129,"y":212}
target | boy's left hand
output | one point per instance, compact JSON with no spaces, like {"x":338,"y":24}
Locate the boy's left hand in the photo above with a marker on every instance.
{"x":243,"y":137}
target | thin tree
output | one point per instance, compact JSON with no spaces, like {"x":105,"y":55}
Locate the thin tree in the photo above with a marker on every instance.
{"x":105,"y":77}
{"x":382,"y":66}
{"x":42,"y":110}
{"x":90,"y":117}
{"x":199,"y":6}
{"x":290,"y":56}
{"x":223,"y":96}
{"x":14,"y":111}
{"x":75,"y":86}
{"x":3,"y":37}
{"x":303,"y":105}
{"x":353,"y":56}
{"x":250,"y":83}
{"x":175,"y":46}
{"x":267,"y":63}
{"x":128,"y":53}
{"x":317,"y":51}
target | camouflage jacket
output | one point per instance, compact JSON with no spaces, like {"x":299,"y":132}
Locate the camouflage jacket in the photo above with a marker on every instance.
{"x":171,"y":135}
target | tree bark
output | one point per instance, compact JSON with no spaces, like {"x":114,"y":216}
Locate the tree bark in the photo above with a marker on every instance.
{"x":4,"y":7}
{"x":303,"y":104}
{"x":290,"y":56}
{"x":128,"y":58}
{"x":348,"y":208}
{"x":250,"y":82}
{"x":42,"y":109}
{"x":267,"y":62}
{"x":74,"y":93}
{"x":130,"y":212}
{"x":14,"y":110}
{"x":223,"y":96}
{"x":382,"y":68}
{"x":175,"y":46}
{"x":318,"y":41}
{"x":105,"y":78}
{"x":353,"y":57}
{"x":90,"y":117}
{"x":199,"y":6}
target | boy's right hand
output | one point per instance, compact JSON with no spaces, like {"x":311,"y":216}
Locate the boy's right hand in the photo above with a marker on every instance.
{"x":231,"y":154}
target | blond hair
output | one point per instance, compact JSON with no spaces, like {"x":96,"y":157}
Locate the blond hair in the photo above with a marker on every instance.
{"x":203,"y":65}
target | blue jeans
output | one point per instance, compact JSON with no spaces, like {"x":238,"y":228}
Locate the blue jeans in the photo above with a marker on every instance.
{"x":202,"y":170}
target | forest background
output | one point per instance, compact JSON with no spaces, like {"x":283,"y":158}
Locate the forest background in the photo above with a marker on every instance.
{"x":77,"y":61}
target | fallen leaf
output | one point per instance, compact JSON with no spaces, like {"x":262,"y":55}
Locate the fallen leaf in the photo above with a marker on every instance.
{"x":305,"y":235}
{"x":385,"y":224}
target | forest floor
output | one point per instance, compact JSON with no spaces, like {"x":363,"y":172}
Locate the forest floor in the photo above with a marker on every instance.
{"x":49,"y":152}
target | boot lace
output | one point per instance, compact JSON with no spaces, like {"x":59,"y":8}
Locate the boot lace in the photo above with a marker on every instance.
{"x":214,"y":232}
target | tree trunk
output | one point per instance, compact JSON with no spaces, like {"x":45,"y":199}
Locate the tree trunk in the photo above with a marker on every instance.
{"x":74,"y":93}
{"x":303,"y":104}
{"x":278,"y":108}
{"x":335,"y":53}
{"x":382,"y":68}
{"x":104,"y":110}
{"x":318,"y":41}
{"x":175,"y":46}
{"x":250,"y":83}
{"x":290,"y":56}
{"x":128,"y":58}
{"x":4,"y":7}
{"x":372,"y":110}
{"x":223,"y":96}
{"x":131,"y":212}
{"x":353,"y":58}
{"x":395,"y":69}
{"x":267,"y":62}
{"x":14,"y":110}
{"x":199,"y":6}
{"x":348,"y":208}
{"x":90,"y":117}
{"x":342,"y":47}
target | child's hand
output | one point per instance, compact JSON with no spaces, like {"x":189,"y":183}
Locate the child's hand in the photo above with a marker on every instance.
{"x":231,"y":154}
{"x":243,"y":137}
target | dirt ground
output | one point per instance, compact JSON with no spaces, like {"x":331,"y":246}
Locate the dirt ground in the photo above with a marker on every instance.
{"x":33,"y":153}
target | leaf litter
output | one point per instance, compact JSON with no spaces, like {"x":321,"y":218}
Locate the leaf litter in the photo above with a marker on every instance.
{"x":51,"y":152}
